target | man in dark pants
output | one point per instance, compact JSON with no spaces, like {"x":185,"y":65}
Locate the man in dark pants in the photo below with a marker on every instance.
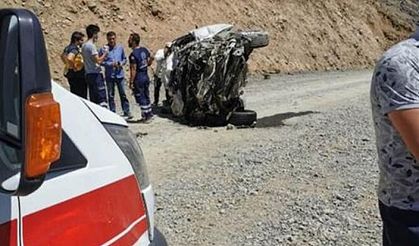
{"x":92,"y":61}
{"x":114,"y":74}
{"x":157,"y":86}
{"x":139,"y":81}
{"x":160,"y":57}
{"x":395,"y":110}
{"x":73,"y":61}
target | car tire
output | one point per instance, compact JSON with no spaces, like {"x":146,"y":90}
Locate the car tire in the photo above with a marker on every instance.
{"x":243,"y":118}
{"x":215,"y":120}
{"x":158,"y":239}
{"x":257,"y":39}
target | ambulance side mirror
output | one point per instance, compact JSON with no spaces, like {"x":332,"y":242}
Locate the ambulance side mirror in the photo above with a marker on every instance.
{"x":30,"y":120}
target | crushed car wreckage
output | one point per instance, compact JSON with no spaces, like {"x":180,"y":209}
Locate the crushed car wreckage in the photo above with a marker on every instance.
{"x":206,"y":72}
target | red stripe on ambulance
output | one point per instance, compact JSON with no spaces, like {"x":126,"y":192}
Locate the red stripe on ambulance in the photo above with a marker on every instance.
{"x":8,"y":233}
{"x":130,"y":239}
{"x":90,"y":219}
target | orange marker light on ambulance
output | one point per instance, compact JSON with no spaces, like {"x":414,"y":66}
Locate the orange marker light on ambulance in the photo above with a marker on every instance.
{"x":43,"y":134}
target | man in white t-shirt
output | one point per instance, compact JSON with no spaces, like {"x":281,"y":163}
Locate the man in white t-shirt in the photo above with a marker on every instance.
{"x":159,"y":73}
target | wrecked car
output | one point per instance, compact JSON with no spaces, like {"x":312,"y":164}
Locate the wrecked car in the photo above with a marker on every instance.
{"x":205,"y":74}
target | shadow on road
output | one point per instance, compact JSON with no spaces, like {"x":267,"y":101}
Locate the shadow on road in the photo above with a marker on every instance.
{"x":165,"y":112}
{"x":278,"y":119}
{"x":265,"y":122}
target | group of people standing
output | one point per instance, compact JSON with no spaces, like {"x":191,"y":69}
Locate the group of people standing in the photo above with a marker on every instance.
{"x":84,"y":62}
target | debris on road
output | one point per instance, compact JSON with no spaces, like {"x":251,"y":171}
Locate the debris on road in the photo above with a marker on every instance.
{"x":141,"y":134}
{"x":230,"y":127}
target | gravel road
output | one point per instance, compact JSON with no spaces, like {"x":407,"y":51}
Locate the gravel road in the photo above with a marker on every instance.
{"x":306,"y":175}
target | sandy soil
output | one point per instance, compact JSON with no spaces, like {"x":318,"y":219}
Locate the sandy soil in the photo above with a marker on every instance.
{"x":305,"y":35}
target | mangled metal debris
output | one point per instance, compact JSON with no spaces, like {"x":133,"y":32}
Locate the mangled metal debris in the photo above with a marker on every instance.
{"x":206,"y":72}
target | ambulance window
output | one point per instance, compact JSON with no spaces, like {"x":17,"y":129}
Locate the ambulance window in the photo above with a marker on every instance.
{"x":9,"y":80}
{"x":11,"y":155}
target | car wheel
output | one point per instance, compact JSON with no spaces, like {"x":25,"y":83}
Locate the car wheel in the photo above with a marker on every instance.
{"x":243,"y":118}
{"x":257,"y":39}
{"x":215,"y":120}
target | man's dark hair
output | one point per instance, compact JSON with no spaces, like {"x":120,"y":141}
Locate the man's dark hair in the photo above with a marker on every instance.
{"x":135,"y":38}
{"x":110,"y":34}
{"x":91,"y":30}
{"x":76,"y":36}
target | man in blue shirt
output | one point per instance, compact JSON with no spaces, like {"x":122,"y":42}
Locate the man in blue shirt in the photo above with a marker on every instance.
{"x":114,"y":73}
{"x":139,"y":81}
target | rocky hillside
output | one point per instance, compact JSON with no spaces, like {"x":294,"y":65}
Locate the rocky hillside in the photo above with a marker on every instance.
{"x":306,"y":35}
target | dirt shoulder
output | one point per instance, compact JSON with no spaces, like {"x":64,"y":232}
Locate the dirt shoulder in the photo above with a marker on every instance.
{"x":275,"y":101}
{"x":305,"y":176}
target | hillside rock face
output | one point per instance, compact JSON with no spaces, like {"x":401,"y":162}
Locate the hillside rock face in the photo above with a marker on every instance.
{"x":306,"y":35}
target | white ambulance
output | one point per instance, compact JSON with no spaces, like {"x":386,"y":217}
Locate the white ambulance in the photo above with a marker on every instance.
{"x":71,"y":173}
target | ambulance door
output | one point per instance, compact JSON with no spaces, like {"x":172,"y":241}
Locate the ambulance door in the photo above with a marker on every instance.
{"x":30,"y":122}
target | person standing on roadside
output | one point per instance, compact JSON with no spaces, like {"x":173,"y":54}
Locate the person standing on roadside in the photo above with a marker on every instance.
{"x":114,"y":73}
{"x":139,"y":81}
{"x":160,"y":58}
{"x":93,"y":71}
{"x":395,"y":110}
{"x":74,"y":67}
